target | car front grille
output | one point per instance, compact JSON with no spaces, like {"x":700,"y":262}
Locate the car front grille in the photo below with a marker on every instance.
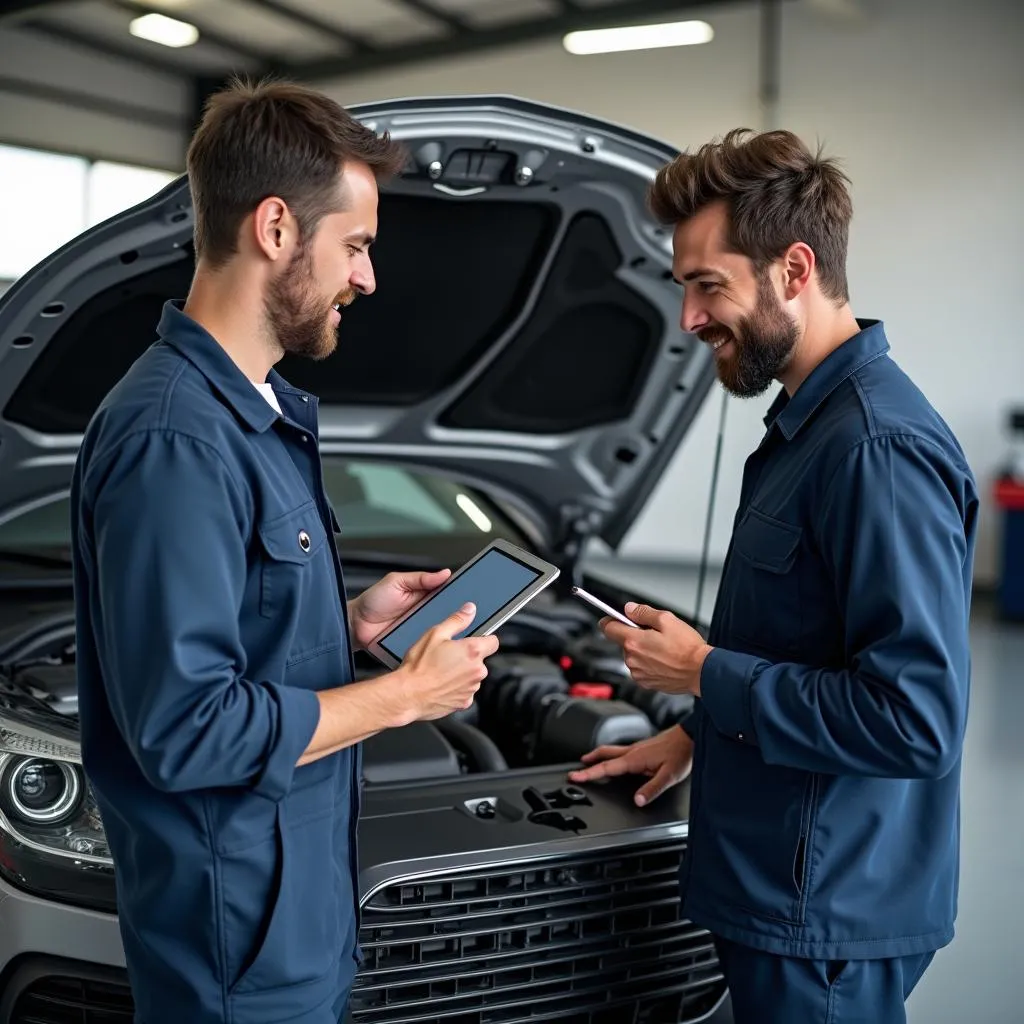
{"x":65,"y":1000}
{"x":592,"y":939}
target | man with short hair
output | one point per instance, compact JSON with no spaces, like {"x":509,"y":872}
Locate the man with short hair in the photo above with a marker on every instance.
{"x":832,"y":691}
{"x":220,"y":720}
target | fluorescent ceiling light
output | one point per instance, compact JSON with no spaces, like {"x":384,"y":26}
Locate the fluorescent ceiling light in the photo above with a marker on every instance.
{"x":639,"y":37}
{"x":158,"y":28}
{"x":474,"y":512}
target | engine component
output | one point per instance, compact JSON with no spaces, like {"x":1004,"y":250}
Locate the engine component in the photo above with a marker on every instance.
{"x":601,"y":691}
{"x":538,"y":633}
{"x":55,"y":684}
{"x":573,"y":725}
{"x":415,"y":751}
{"x":470,"y":715}
{"x":594,"y":658}
{"x":663,"y":709}
{"x":479,"y":749}
{"x":511,"y":697}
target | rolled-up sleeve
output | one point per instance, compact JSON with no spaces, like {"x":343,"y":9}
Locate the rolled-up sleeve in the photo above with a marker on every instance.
{"x":892,"y":533}
{"x":169,"y":524}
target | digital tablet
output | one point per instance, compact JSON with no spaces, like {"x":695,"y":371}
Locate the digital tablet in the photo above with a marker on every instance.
{"x":499,"y":581}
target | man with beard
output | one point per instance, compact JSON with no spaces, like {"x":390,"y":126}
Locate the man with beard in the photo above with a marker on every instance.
{"x":832,"y":691}
{"x":220,"y":720}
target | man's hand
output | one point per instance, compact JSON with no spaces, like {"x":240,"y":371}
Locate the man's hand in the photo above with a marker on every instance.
{"x":666,"y":655}
{"x":666,"y":759}
{"x":440,"y":675}
{"x":387,"y":600}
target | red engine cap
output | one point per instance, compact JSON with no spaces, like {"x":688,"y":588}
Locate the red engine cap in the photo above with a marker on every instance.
{"x":602,"y":691}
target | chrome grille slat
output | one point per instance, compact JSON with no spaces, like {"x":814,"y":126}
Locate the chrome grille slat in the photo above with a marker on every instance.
{"x":57,"y":1000}
{"x":511,"y":1012}
{"x":654,"y":880}
{"x":590,"y":939}
{"x":593,"y":947}
{"x":585,"y":986}
{"x":518,"y":919}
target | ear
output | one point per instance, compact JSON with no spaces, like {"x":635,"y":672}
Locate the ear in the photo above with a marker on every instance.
{"x":274,"y":229}
{"x":798,"y":265}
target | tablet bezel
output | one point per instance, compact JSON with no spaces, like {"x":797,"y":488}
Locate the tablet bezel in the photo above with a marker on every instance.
{"x":548,"y":574}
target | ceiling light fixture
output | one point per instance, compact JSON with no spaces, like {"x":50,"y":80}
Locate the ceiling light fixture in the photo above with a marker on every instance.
{"x":639,"y":37}
{"x":158,"y":28}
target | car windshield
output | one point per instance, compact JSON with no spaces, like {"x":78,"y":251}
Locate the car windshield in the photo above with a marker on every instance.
{"x":387,"y":513}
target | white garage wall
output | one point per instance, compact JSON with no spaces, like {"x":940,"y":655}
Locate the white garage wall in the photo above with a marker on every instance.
{"x":923,"y":103}
{"x":929,"y":113}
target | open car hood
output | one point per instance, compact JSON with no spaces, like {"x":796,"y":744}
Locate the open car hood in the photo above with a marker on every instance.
{"x":523,"y":337}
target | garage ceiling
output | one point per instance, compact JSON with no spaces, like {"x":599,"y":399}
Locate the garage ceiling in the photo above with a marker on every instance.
{"x":321,"y":39}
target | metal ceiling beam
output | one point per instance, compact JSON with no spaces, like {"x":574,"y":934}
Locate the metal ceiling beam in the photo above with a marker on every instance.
{"x":14,"y":7}
{"x":94,"y":44}
{"x":80,"y":100}
{"x":453,"y":21}
{"x":225,"y":42}
{"x":461,"y":43}
{"x":293,"y":14}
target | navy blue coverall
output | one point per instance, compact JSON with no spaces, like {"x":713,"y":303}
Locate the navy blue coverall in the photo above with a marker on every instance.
{"x":210,"y":609}
{"x":824,"y":832}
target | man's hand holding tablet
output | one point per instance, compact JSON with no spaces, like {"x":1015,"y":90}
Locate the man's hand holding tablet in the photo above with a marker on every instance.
{"x":499,"y":581}
{"x":440,"y":675}
{"x":436,"y":648}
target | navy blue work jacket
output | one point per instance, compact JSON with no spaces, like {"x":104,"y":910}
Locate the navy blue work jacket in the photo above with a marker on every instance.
{"x":210,"y":609}
{"x":826,"y":784}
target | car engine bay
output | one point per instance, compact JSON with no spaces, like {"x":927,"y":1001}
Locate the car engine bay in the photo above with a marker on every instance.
{"x":556,"y":689}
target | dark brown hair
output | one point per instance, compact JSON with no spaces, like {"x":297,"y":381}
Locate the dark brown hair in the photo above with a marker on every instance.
{"x":777,"y":193}
{"x":274,"y":138}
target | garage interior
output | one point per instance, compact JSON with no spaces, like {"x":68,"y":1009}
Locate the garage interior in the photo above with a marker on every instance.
{"x":922,"y":100}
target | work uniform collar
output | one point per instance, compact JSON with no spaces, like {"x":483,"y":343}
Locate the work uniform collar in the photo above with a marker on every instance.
{"x":208,"y":356}
{"x":790,"y":414}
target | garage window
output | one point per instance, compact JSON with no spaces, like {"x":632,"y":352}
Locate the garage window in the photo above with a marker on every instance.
{"x":47,"y":209}
{"x":57,"y":197}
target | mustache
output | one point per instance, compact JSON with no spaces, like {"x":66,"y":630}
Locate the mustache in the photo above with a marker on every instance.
{"x":345,"y":298}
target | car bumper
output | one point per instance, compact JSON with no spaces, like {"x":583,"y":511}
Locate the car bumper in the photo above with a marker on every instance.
{"x":30,"y":926}
{"x":40,"y":939}
{"x":73,"y":960}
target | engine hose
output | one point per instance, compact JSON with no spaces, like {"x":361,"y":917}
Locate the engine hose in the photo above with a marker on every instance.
{"x":477,"y":744}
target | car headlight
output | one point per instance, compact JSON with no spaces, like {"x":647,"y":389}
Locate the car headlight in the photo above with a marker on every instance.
{"x":51,"y":837}
{"x":39,"y":792}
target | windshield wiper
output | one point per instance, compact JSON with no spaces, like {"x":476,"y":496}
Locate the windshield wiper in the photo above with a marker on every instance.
{"x":389,"y":559}
{"x":39,"y":559}
{"x":349,"y":556}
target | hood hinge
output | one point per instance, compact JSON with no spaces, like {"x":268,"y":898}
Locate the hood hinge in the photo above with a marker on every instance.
{"x":579,"y":525}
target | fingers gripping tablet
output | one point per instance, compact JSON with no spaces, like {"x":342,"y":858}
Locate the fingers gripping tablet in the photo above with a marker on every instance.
{"x":499,"y":580}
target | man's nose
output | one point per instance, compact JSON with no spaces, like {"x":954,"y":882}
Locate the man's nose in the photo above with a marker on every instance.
{"x":693,"y":316}
{"x":363,"y":279}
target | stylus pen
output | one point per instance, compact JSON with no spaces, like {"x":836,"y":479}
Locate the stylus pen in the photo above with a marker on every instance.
{"x":599,"y":604}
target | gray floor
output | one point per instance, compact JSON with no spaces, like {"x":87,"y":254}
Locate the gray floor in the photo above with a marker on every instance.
{"x":979,"y":978}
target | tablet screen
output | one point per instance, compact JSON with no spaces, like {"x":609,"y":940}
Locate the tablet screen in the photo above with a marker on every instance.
{"x":490,"y":584}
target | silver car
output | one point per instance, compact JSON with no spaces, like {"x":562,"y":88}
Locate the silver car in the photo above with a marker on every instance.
{"x":519,"y":374}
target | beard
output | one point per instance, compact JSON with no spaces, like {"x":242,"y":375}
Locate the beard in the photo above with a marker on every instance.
{"x":762,"y":345}
{"x":299,"y":318}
